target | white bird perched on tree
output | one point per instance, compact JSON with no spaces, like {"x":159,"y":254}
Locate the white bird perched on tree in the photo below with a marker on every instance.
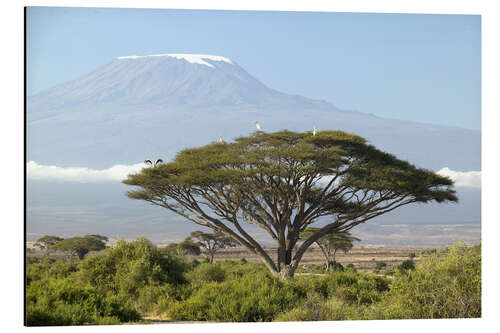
{"x":315,"y":131}
{"x":259,"y":129}
{"x":220,"y":139}
{"x":155,"y":163}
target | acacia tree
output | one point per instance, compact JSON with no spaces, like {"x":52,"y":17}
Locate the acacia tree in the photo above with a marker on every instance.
{"x":44,"y":243}
{"x":283,"y":182}
{"x":80,"y":246}
{"x":210,"y":243}
{"x":330,"y":243}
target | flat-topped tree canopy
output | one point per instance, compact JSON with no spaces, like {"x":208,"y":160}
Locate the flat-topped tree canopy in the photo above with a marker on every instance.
{"x":283,"y":182}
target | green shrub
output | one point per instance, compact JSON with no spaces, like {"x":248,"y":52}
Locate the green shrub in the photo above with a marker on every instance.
{"x":356,"y":288}
{"x":317,"y":308}
{"x":50,"y":268}
{"x":334,"y":266}
{"x":312,"y":308}
{"x":129,"y":266}
{"x":407,"y":265}
{"x":309,"y":284}
{"x":444,"y":285}
{"x":63,"y":302}
{"x":136,"y":272}
{"x":110,"y":287}
{"x":248,"y":293}
{"x":204,"y":273}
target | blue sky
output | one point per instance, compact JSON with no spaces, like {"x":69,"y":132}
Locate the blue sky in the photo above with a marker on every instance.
{"x":422,"y":68}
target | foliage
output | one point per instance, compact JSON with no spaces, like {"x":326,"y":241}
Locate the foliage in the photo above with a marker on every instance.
{"x":64,"y":302}
{"x":313,"y":308}
{"x":335,"y":266}
{"x":335,"y":296}
{"x":130,"y":266}
{"x":132,"y":279}
{"x":284,"y":182}
{"x":240,"y":297}
{"x":44,"y":243}
{"x":183,"y":248}
{"x":80,"y":246}
{"x":204,"y":273}
{"x":116,"y":285}
{"x":407,"y":265}
{"x":50,"y":268}
{"x":444,"y":285}
{"x":356,"y":288}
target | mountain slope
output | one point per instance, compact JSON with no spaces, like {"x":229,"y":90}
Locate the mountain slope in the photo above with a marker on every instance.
{"x":152,"y":106}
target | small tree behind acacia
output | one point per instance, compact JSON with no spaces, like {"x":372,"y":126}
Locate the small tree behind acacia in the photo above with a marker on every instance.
{"x":186,"y":247}
{"x":80,"y":246}
{"x":284,"y":182}
{"x":44,"y":243}
{"x":330,"y":243}
{"x":210,"y":243}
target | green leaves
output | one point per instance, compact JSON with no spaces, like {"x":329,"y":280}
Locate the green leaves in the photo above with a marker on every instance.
{"x":81,"y":245}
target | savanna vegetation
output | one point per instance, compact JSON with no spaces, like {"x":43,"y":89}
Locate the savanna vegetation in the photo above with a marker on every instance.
{"x":132,"y":281}
{"x":283,"y":183}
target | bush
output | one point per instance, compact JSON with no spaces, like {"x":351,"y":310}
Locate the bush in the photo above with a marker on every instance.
{"x":136,"y":272}
{"x":128,"y":266}
{"x":356,"y":288}
{"x":111,"y":287}
{"x":247,"y":293}
{"x":334,"y":266}
{"x":317,"y":308}
{"x":313,"y":308}
{"x":444,"y":285}
{"x":407,"y":265}
{"x":63,"y":302}
{"x":205,"y":273}
{"x":309,"y":284}
{"x":50,"y":268}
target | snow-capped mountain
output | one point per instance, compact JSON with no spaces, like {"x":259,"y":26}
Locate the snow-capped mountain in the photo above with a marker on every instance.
{"x":152,"y":106}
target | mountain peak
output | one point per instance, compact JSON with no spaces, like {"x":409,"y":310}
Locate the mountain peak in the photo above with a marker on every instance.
{"x":191,"y":58}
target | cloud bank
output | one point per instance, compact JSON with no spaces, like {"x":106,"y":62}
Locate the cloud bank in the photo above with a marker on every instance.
{"x":462,"y":179}
{"x":118,"y":172}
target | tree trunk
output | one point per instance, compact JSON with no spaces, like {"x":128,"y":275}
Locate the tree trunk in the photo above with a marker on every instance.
{"x":325,"y":254}
{"x":287,"y":272}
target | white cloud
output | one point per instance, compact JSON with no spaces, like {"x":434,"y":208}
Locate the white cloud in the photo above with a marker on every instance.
{"x":462,"y":179}
{"x":118,"y":172}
